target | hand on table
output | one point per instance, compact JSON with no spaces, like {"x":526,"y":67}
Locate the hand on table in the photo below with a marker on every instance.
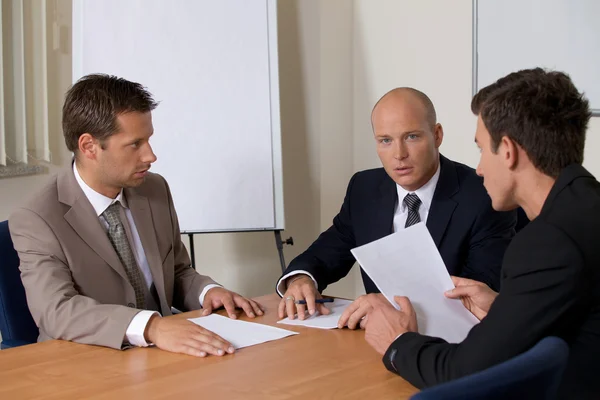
{"x":219,"y":297}
{"x":354,"y":315}
{"x":301,"y":287}
{"x":183,"y":336}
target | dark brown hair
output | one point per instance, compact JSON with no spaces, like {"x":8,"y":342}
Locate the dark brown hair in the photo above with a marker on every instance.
{"x":94,"y":102}
{"x":540,"y":110}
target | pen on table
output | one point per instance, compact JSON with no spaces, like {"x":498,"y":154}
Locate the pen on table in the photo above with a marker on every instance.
{"x":318,"y":301}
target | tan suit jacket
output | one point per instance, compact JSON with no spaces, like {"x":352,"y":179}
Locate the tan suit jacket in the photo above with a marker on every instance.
{"x":76,"y":286}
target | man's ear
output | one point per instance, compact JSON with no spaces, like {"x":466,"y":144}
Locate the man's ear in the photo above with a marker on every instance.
{"x":509,"y":151}
{"x":438,"y":135}
{"x":88,"y":146}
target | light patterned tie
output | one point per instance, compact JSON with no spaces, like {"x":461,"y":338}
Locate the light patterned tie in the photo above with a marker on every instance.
{"x":412,"y":202}
{"x":118,"y":238}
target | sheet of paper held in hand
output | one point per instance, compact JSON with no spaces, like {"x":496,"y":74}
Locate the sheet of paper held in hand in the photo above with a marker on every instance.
{"x":241,"y":333}
{"x":321,"y":321}
{"x":407,"y":263}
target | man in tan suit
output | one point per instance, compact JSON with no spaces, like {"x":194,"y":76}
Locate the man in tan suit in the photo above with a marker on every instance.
{"x":101,"y":255}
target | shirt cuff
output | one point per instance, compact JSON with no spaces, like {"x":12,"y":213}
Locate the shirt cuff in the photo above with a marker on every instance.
{"x":204,"y":291}
{"x":281,"y":286}
{"x":137,"y":327}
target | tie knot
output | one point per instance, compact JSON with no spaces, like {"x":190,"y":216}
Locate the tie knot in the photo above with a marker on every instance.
{"x":111,"y":214}
{"x":412,"y":202}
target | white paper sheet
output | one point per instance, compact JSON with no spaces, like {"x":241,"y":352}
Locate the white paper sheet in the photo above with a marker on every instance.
{"x":241,"y":333}
{"x":322,"y":321}
{"x":407,"y":263}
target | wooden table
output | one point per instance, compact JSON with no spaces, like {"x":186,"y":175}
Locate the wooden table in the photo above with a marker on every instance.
{"x":316,"y":364}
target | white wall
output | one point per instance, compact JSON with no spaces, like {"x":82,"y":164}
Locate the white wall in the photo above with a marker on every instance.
{"x":426,"y":44}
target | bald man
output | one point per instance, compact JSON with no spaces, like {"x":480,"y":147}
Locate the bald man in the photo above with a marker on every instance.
{"x":415,"y":184}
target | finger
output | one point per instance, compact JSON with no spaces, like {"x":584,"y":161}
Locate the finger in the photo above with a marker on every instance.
{"x":309,"y":296}
{"x":211,"y":338}
{"x":301,"y":310}
{"x":323,"y":309}
{"x":348,"y":312}
{"x":217,"y":341}
{"x":207,"y":308}
{"x":290,"y":306}
{"x":404,"y":303}
{"x":256,"y":307}
{"x":191,"y":351}
{"x":244,"y":304}
{"x":196,"y":347}
{"x":458,"y":281}
{"x":363,"y":322}
{"x":281,"y":309}
{"x":229,"y":306}
{"x":460,"y":291}
{"x":205,"y":344}
{"x":357,"y":316}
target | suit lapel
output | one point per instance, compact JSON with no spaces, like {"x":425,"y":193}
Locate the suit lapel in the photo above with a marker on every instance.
{"x":442,"y":205}
{"x":83,"y":219}
{"x":142,"y":216}
{"x":383,"y":214}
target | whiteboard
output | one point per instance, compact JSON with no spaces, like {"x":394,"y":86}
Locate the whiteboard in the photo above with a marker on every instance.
{"x":509,"y":35}
{"x":212,"y":65}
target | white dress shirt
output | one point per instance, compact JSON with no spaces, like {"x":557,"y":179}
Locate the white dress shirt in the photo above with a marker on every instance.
{"x":425,"y":194}
{"x":137,"y":326}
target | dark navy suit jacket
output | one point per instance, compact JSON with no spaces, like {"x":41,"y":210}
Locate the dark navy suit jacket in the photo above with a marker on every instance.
{"x":469,"y":234}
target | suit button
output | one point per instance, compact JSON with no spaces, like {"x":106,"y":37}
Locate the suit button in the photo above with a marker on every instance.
{"x":131,"y":305}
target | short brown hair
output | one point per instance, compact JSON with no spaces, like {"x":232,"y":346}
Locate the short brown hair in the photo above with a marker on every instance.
{"x":94,"y":102}
{"x":540,"y":110}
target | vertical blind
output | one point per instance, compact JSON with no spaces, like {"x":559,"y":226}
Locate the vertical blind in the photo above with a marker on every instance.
{"x":23,"y":82}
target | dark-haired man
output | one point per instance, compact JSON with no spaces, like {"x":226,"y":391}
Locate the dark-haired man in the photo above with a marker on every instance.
{"x":100,"y":248}
{"x":531,"y":132}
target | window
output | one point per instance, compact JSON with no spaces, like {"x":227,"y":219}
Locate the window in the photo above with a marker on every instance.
{"x":24,"y":133}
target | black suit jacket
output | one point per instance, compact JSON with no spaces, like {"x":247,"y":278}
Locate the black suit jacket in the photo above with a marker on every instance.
{"x":469,"y":234}
{"x":550,"y":286}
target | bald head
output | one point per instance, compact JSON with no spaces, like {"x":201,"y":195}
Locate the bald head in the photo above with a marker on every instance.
{"x":406,"y":98}
{"x":407,"y":136}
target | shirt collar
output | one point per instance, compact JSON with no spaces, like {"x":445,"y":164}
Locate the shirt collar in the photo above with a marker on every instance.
{"x":425,"y":192}
{"x":99,"y":201}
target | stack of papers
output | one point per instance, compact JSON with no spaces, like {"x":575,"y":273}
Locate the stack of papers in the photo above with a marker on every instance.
{"x":241,"y":333}
{"x":407,"y":263}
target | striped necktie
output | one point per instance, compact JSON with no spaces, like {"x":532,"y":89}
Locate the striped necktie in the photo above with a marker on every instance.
{"x":412,"y":202}
{"x":118,"y":238}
